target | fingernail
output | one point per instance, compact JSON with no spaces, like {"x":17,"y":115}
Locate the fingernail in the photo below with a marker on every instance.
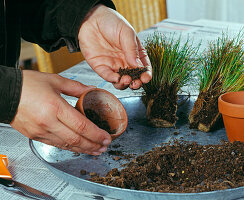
{"x":106,"y":142}
{"x":102,"y":149}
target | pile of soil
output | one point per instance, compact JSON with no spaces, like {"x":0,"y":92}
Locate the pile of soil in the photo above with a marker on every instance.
{"x":96,"y":119}
{"x":182,"y":167}
{"x":134,"y":73}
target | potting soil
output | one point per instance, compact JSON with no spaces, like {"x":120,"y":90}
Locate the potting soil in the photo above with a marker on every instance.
{"x":182,"y":167}
{"x":134,"y":73}
{"x":96,"y":119}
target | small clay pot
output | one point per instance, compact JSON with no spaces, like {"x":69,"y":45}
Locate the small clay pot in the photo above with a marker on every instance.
{"x":231,"y":106}
{"x":107,"y":107}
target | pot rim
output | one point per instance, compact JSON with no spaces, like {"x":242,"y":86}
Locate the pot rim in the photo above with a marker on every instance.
{"x":231,"y":109}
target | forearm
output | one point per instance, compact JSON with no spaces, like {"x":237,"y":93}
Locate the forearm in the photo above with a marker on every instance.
{"x":56,"y":23}
{"x":10,"y":91}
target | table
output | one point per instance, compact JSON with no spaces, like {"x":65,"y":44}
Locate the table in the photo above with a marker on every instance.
{"x":28,"y":169}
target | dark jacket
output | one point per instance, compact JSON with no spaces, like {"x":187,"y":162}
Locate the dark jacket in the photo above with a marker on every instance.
{"x":49,"y":23}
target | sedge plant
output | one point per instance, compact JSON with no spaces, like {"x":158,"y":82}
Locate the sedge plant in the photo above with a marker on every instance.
{"x":221,"y":71}
{"x":172,"y":65}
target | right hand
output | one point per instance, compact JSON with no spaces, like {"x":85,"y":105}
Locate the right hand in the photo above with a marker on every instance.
{"x":108,"y":42}
{"x":43,"y":115}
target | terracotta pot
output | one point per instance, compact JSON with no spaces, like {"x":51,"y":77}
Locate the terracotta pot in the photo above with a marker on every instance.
{"x":107,"y":107}
{"x":231,"y":106}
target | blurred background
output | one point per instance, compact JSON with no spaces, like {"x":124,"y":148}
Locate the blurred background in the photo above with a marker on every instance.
{"x":141,"y":14}
{"x":222,"y":10}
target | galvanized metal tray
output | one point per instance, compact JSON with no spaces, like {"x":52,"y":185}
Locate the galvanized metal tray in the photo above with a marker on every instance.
{"x":139,"y":138}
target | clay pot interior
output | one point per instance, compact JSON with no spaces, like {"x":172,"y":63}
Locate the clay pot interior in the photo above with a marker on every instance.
{"x":231,"y":106}
{"x":234,"y":98}
{"x":107,"y":107}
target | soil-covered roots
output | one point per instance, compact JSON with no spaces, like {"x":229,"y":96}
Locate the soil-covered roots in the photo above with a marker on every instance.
{"x":205,"y":112}
{"x":162,"y":107}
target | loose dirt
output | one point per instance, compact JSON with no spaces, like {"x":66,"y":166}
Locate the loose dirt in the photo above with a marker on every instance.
{"x":134,"y":73}
{"x":96,"y":119}
{"x":182,"y":167}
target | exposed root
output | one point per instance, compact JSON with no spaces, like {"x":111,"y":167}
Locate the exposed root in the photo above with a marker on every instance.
{"x":205,"y":112}
{"x":162,"y":107}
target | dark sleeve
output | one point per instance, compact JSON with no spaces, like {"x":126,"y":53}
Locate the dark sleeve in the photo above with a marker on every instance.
{"x":10,"y":90}
{"x":55,"y":23}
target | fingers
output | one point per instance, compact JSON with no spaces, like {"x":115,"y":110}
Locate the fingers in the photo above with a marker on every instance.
{"x":136,"y":56}
{"x":129,"y":46}
{"x":74,"y":142}
{"x":124,"y":82}
{"x":107,"y":73}
{"x":78,"y":123}
{"x":69,"y":87}
{"x":57,"y":134}
{"x":146,"y":76}
{"x":136,"y":84}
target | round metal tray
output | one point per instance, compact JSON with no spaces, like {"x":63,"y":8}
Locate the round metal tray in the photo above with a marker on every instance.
{"x":138,"y":139}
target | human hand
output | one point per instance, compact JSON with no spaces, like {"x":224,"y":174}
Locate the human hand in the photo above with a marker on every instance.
{"x":45,"y":116}
{"x":108,"y":42}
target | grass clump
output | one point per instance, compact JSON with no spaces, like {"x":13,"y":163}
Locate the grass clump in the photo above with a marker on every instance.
{"x":221,"y":71}
{"x":172,"y":65}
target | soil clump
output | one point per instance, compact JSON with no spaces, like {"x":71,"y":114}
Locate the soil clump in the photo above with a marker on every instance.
{"x":182,"y":167}
{"x":134,"y":73}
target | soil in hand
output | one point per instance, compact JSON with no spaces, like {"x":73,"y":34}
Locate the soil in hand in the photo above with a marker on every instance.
{"x":96,"y":119}
{"x":182,"y":168}
{"x":134,"y":73}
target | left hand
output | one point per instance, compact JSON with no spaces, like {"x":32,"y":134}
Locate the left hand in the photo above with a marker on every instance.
{"x":43,"y":115}
{"x":108,"y":42}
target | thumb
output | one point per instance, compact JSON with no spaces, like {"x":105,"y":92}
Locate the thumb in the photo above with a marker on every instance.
{"x":72,"y":88}
{"x":130,"y":47}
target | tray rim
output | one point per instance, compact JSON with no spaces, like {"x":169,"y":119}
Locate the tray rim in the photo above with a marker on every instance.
{"x":141,"y":192}
{"x":31,"y":144}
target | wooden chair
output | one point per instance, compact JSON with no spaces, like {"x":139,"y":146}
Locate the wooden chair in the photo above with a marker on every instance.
{"x":57,"y":61}
{"x":140,"y":13}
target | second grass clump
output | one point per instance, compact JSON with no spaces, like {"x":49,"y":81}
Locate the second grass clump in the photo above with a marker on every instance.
{"x":172,"y":65}
{"x":221,"y":70}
